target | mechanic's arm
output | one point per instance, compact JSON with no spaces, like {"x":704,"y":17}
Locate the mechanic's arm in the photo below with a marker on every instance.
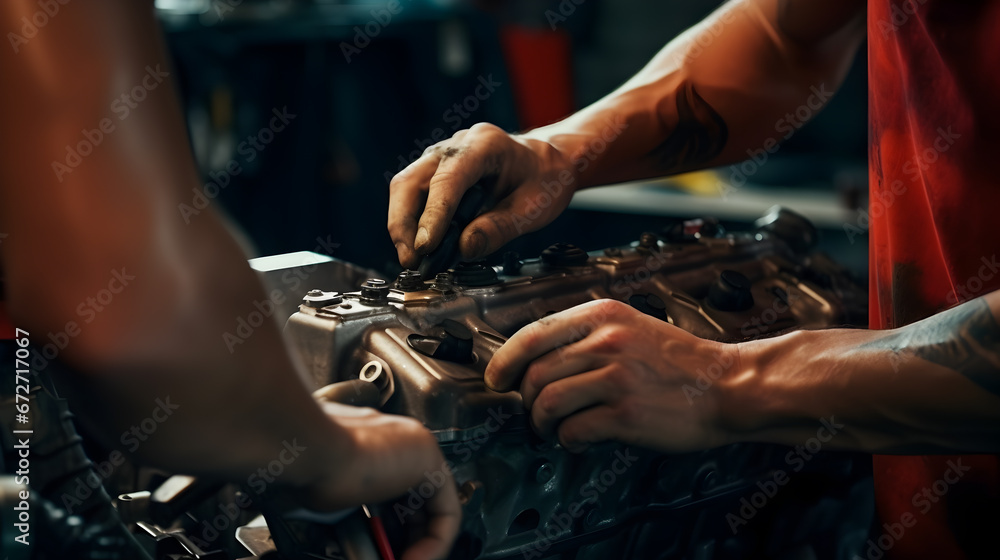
{"x":932,"y":386}
{"x":97,"y":239}
{"x":730,"y":84}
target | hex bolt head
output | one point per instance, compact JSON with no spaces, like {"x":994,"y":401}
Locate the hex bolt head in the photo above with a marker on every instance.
{"x":410,"y":281}
{"x":374,"y":291}
{"x":442,"y":282}
{"x":474,"y":274}
{"x":731,"y":292}
{"x":319,"y":298}
{"x":563,"y":255}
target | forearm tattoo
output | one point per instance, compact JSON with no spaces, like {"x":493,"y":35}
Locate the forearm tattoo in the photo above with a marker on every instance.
{"x":965,"y":339}
{"x":699,"y":136}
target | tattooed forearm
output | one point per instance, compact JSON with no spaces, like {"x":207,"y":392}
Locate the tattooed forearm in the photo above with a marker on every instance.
{"x":965,"y":339}
{"x":698,"y":137}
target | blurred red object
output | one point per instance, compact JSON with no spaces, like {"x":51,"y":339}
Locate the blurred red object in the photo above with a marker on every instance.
{"x":539,"y":63}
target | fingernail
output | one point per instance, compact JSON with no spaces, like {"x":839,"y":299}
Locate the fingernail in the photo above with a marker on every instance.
{"x":487,"y":379}
{"x":422,"y":238}
{"x":576,"y":447}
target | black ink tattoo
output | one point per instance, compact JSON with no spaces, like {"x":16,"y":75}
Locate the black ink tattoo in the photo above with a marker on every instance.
{"x":965,"y":339}
{"x":699,"y":136}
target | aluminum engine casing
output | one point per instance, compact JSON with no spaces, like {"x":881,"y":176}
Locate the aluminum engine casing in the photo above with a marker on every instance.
{"x":527,"y":497}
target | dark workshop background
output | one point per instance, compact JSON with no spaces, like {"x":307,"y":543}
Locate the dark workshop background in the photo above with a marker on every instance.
{"x":372,"y":83}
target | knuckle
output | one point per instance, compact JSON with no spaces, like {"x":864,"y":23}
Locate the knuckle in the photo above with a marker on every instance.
{"x":531,"y":335}
{"x":398,"y":181}
{"x":397,"y":235}
{"x":438,"y":147}
{"x":436,"y":209}
{"x":617,"y":377}
{"x":503,"y":225}
{"x":570,"y":434}
{"x":627,"y":414}
{"x":399,"y":226}
{"x":611,"y":339}
{"x":443,"y":184}
{"x":609,"y":307}
{"x":532,"y":376}
{"x":547,"y":402}
{"x":486,"y":129}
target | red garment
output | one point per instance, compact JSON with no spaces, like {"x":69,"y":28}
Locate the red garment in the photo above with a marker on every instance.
{"x":934,"y":85}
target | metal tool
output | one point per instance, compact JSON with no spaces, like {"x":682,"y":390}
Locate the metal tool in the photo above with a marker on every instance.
{"x":443,"y":257}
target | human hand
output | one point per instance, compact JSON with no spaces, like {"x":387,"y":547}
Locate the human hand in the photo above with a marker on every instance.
{"x":529,"y":183}
{"x":605,"y":371}
{"x":388,"y":455}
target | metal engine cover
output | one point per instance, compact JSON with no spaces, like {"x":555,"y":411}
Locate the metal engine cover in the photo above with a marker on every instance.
{"x":426,"y":346}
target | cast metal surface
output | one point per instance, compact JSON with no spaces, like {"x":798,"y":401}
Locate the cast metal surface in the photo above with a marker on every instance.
{"x":419,"y":348}
{"x":529,"y":498}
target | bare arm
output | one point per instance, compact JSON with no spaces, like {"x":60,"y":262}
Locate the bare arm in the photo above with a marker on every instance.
{"x":730,"y":84}
{"x":72,"y":230}
{"x":929,"y":387}
{"x":115,"y":211}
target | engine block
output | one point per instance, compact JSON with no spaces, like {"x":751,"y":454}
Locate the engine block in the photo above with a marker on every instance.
{"x":425,"y":346}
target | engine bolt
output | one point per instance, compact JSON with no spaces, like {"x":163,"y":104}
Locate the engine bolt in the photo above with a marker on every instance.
{"x":409,"y":281}
{"x":648,"y":243}
{"x":319,"y":298}
{"x":374,"y":291}
{"x":442,"y":282}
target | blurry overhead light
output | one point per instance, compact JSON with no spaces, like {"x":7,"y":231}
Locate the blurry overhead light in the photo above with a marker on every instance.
{"x":182,"y":7}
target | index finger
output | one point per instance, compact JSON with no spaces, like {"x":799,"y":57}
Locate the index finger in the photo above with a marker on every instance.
{"x":460,"y":167}
{"x":407,"y":194}
{"x":508,"y":365}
